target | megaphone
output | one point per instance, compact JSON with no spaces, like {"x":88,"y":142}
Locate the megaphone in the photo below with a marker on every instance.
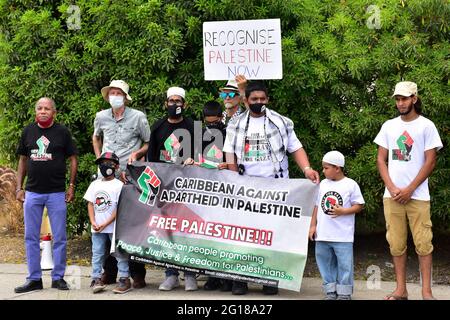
{"x":46,"y":256}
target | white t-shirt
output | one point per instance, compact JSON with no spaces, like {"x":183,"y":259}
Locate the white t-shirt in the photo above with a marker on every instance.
{"x":104,"y":195}
{"x":407,"y":143}
{"x":257,"y":158}
{"x":344,"y":192}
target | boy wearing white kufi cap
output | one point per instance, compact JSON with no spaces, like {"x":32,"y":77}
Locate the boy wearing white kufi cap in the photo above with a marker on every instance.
{"x":332,"y":227}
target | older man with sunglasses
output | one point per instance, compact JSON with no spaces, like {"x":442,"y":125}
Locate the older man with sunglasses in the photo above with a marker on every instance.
{"x":231,"y":95}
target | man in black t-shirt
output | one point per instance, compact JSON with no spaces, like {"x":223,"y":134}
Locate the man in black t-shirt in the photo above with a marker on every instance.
{"x":172,"y":137}
{"x":172,"y":141}
{"x":43,"y":149}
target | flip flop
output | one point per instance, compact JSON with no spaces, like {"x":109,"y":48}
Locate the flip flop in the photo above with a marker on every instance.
{"x":395,"y":297}
{"x":429,"y":298}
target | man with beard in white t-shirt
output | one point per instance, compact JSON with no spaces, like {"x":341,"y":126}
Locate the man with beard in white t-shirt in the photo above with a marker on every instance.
{"x":257,"y":144}
{"x":407,"y":147}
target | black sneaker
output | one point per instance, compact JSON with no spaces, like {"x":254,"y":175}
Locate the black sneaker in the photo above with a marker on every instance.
{"x":330,"y":296}
{"x":30,"y":285}
{"x":212,"y":284}
{"x":226,"y":285}
{"x":269,"y":290}
{"x":239,"y":288}
{"x":60,"y":284}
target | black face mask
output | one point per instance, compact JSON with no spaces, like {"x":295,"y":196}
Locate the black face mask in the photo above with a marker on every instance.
{"x":257,"y":107}
{"x":174,"y":111}
{"x":216,"y":125}
{"x":107,"y":170}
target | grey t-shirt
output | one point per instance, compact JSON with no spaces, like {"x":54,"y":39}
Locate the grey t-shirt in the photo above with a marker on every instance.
{"x":122,"y":136}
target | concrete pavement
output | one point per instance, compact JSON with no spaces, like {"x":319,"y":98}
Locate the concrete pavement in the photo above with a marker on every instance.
{"x":12,"y":275}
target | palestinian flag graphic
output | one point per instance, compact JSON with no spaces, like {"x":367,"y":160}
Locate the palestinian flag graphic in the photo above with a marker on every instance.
{"x":330,"y":199}
{"x":405,"y":144}
{"x":172,"y":145}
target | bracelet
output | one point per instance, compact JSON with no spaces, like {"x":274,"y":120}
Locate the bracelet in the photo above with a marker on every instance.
{"x":306,"y":168}
{"x":72,"y":185}
{"x":17,"y":190}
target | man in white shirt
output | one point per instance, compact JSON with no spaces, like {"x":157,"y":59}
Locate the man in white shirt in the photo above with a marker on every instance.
{"x":406,"y":158}
{"x":257,"y":143}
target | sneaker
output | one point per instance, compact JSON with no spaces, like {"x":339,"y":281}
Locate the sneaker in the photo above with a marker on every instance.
{"x":239,"y":288}
{"x":190,"y":283}
{"x":30,"y":285}
{"x":226,"y":285}
{"x":170,"y":283}
{"x":267,"y":290}
{"x":123,"y":286}
{"x":330,"y":296}
{"x":212,"y":284}
{"x":344,"y":297}
{"x":97,"y":285}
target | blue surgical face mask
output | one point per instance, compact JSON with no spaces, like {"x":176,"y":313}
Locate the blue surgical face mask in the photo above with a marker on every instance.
{"x":116,"y":101}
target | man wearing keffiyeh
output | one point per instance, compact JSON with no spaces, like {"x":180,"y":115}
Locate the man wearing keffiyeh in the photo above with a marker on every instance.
{"x":257,"y":143}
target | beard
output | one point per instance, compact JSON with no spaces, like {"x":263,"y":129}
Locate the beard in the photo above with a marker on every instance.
{"x":410,"y":107}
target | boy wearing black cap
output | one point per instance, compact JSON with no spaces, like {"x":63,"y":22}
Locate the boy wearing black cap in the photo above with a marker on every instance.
{"x":103,"y":196}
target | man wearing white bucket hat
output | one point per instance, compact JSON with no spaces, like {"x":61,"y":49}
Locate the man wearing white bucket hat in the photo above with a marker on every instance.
{"x":232,"y":94}
{"x":407,"y":147}
{"x":125,"y":132}
{"x":120,"y":129}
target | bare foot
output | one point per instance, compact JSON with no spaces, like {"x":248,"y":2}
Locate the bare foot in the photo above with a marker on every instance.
{"x":397,"y":295}
{"x":428,"y":296}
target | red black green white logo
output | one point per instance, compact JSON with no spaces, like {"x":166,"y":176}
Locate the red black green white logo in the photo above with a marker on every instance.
{"x":150,"y":185}
{"x":405,"y":144}
{"x":102,"y":201}
{"x":329,"y":199}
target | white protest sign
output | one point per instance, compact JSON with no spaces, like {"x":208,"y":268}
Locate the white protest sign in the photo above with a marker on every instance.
{"x":248,"y":47}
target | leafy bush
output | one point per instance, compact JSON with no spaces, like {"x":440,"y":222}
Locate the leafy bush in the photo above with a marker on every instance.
{"x":338,"y":76}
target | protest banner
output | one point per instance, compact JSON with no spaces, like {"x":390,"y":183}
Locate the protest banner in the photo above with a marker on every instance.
{"x":216,"y":222}
{"x":248,"y":47}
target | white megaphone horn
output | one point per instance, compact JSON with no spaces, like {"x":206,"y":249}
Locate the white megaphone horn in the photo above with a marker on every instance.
{"x":46,"y":256}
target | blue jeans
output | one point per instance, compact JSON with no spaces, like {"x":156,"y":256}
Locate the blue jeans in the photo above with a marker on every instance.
{"x":335,"y":262}
{"x":174,"y":272}
{"x":33,"y":209}
{"x":99,"y":241}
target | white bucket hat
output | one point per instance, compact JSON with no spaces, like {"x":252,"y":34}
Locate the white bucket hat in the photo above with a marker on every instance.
{"x":176,"y":91}
{"x":405,"y":89}
{"x":335,"y":158}
{"x":120,"y":84}
{"x":231,"y":85}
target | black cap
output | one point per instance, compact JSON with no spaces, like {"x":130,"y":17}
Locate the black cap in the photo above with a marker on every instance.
{"x":108,"y":156}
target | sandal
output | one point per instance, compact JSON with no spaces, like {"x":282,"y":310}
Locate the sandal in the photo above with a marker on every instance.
{"x":395,"y":297}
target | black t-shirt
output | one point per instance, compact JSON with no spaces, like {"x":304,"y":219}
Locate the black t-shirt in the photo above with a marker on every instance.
{"x":46,"y":151}
{"x":166,"y":142}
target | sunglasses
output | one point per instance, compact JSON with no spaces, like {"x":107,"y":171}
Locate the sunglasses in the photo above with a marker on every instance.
{"x":224,"y":95}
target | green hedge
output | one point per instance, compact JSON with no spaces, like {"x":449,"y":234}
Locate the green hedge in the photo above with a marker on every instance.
{"x":338,"y":73}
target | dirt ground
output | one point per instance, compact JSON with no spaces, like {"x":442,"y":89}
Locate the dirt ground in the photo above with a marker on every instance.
{"x":371,"y":252}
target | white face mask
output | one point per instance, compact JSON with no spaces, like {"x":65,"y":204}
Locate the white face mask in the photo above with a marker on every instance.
{"x":116,"y":101}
